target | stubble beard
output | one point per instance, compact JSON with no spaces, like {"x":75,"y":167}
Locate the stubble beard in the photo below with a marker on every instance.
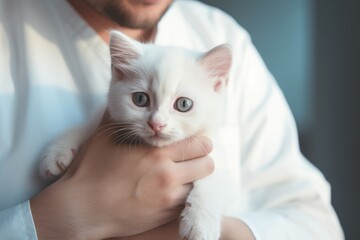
{"x":119,"y":13}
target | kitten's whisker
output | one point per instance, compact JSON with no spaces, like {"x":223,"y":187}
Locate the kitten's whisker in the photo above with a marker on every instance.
{"x":113,"y":124}
{"x":99,"y":134}
{"x":106,"y":128}
{"x":118,"y":131}
{"x":122,"y":138}
{"x":131,"y":142}
{"x":128,"y":136}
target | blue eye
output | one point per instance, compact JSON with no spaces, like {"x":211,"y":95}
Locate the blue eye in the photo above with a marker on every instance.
{"x":141,"y":99}
{"x":183,"y":104}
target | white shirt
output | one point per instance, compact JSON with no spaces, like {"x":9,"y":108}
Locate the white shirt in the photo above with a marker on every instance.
{"x":55,"y":70}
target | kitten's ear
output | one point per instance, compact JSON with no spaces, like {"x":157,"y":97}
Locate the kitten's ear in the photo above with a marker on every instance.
{"x":124,"y":53}
{"x":217,"y":62}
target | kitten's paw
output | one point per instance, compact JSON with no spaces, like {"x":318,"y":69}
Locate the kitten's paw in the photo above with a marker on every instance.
{"x":56,"y":160}
{"x":199,"y":224}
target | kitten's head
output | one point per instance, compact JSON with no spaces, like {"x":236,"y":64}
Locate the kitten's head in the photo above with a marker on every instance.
{"x":166,"y":94}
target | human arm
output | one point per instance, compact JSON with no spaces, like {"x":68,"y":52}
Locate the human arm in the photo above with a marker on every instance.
{"x":16,"y":222}
{"x":288,"y":197}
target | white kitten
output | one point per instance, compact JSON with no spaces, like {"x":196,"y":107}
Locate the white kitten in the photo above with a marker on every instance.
{"x":162,"y":95}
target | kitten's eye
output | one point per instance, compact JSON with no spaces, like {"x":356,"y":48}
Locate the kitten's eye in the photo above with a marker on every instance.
{"x":183,"y":104}
{"x":141,"y":99}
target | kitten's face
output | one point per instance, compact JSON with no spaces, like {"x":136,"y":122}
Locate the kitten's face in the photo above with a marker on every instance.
{"x":164,"y":95}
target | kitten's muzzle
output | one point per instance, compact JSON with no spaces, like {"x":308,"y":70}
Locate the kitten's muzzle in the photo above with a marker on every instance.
{"x":156,"y":126}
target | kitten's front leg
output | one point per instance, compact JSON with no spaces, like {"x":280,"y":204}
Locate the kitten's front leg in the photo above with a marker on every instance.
{"x":58,"y":156}
{"x":201,"y":218}
{"x":60,"y":153}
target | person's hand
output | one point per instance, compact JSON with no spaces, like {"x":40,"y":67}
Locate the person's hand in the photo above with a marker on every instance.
{"x":116,"y":191}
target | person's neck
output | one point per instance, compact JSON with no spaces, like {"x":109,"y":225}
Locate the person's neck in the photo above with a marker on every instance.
{"x":101,"y":24}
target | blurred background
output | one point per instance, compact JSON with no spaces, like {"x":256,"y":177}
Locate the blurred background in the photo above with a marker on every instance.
{"x":312,"y":47}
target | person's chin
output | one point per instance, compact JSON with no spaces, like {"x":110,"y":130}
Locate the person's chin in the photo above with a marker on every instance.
{"x":148,"y":2}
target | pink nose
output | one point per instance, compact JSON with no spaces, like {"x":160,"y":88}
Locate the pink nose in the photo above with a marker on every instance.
{"x":156,"y":126}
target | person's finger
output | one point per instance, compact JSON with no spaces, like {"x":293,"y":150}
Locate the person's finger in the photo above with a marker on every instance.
{"x":190,"y":171}
{"x":191,"y":148}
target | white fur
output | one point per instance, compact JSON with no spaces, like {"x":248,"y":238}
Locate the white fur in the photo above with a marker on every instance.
{"x":58,"y":156}
{"x":164,"y":74}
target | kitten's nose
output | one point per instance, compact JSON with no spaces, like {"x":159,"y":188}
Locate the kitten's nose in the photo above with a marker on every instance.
{"x":156,"y":126}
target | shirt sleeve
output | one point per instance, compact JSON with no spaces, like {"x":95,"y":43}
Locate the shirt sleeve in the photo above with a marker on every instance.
{"x":17,"y":223}
{"x":288,"y":197}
